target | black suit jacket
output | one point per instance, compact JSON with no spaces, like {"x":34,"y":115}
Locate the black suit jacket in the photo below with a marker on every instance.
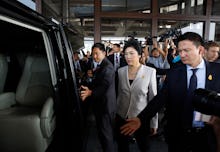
{"x":103,"y":88}
{"x":122,"y":60}
{"x":174,"y":97}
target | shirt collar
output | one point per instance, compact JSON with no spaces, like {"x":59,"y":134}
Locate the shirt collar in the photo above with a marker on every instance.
{"x":117,"y":54}
{"x":99,"y":63}
{"x":200,"y":66}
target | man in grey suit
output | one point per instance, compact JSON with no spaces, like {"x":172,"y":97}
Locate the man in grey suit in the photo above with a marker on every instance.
{"x":185,"y":132}
{"x":103,"y":97}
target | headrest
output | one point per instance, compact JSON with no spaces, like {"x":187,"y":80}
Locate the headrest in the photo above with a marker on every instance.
{"x":35,"y":84}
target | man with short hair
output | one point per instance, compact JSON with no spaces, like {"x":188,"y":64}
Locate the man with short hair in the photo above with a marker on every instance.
{"x":211,"y":51}
{"x":116,"y":58}
{"x":102,"y":96}
{"x":185,"y":133}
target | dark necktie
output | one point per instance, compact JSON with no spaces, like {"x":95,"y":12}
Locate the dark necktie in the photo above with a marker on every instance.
{"x":192,"y":87}
{"x":192,"y":82}
{"x":97,"y":67}
{"x":78,"y":66}
{"x":187,"y":115}
{"x":117,"y":64}
{"x":116,"y":58}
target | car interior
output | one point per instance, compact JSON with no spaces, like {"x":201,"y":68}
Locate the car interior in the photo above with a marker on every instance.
{"x":26,"y":92}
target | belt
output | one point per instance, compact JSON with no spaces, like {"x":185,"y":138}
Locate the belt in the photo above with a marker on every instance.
{"x":196,"y":130}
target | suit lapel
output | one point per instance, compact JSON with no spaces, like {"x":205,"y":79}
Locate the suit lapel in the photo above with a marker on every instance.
{"x":111,"y":58}
{"x":139,"y":74}
{"x":187,"y":110}
{"x":182,"y":80}
{"x":128,"y":82}
{"x":99,"y":68}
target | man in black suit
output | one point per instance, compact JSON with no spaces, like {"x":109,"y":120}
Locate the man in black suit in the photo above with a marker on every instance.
{"x":185,"y":133}
{"x":116,"y":58}
{"x":103,"y":97}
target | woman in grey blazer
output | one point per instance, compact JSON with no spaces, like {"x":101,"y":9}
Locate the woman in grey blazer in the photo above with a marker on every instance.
{"x":136,"y":87}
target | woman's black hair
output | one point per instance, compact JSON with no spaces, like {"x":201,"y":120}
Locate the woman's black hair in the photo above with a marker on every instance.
{"x":135,"y":44}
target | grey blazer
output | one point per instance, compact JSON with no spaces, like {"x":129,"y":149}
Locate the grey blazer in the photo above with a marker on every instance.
{"x":132,"y":99}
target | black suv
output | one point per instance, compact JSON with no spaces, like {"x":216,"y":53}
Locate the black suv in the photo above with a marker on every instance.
{"x":39,"y":102}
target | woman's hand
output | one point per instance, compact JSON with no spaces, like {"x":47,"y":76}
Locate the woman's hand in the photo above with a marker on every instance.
{"x":131,"y":126}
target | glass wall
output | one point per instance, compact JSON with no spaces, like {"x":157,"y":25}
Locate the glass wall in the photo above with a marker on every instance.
{"x":214,"y":31}
{"x":172,"y":29}
{"x":118,"y":19}
{"x":141,"y":6}
{"x":215,"y":7}
{"x":189,"y":7}
{"x":118,"y":30}
{"x":170,"y":26}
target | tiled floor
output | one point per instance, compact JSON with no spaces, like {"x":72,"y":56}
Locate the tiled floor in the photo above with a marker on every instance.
{"x":157,"y":143}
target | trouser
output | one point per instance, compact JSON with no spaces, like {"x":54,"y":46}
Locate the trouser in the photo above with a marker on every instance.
{"x":105,"y":128}
{"x":105,"y":124}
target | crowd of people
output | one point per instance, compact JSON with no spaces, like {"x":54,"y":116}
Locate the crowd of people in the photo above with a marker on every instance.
{"x":127,"y":87}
